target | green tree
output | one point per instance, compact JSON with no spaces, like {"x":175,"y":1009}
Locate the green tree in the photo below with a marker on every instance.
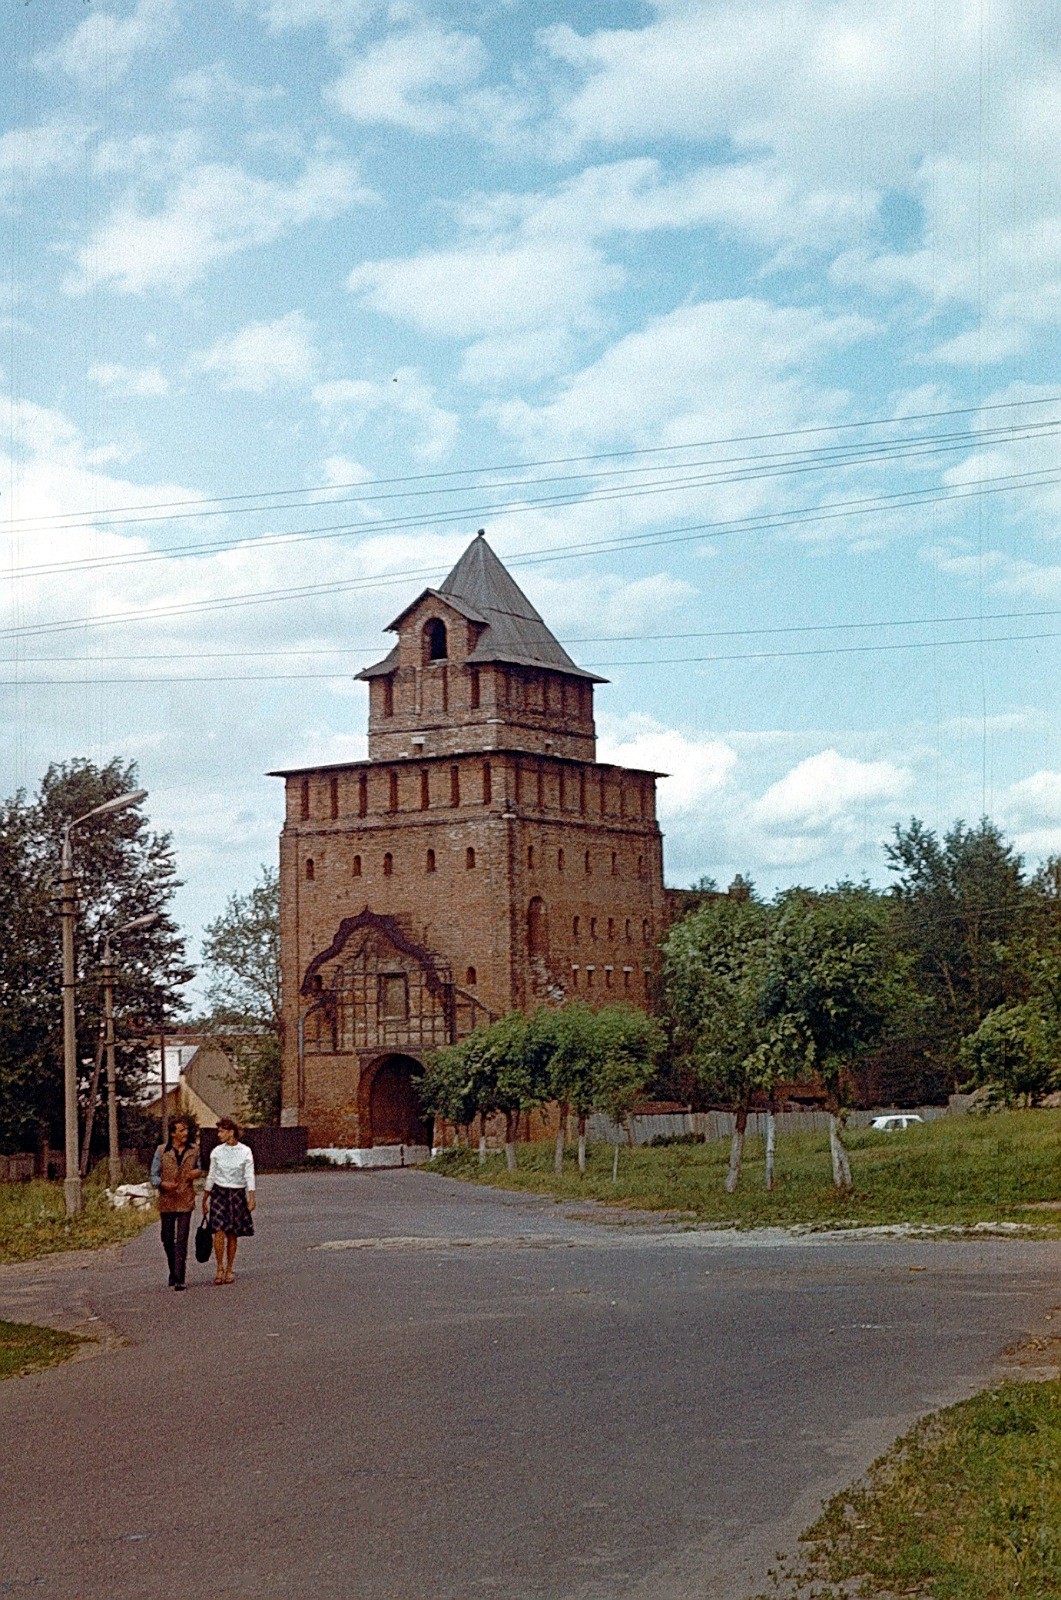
{"x":628,"y":1044}
{"x":834,"y":981}
{"x":1010,"y":1054}
{"x":241,"y":954}
{"x":961,"y":906}
{"x":716,"y":967}
{"x":124,"y":871}
{"x":571,"y":1067}
{"x":496,"y":1070}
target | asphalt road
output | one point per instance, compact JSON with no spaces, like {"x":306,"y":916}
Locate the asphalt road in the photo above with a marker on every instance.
{"x":502,"y":1398}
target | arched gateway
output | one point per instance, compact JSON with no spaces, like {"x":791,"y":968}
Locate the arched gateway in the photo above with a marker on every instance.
{"x":389,"y":1102}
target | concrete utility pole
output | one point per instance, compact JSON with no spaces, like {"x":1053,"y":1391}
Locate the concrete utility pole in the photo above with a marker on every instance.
{"x":114,"y":1158}
{"x":68,"y":907}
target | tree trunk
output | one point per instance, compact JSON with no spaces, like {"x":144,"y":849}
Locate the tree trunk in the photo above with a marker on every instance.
{"x":482,"y":1138}
{"x":841,"y":1165}
{"x":736,"y":1150}
{"x":771,"y":1140}
{"x":511,"y":1128}
{"x":581,"y":1142}
{"x":615,"y":1163}
{"x":561,"y":1132}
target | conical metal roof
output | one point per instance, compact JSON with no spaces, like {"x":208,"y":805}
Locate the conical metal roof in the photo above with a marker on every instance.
{"x":481,"y":589}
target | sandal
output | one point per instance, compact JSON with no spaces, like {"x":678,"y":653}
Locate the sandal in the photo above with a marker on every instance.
{"x":230,"y":1277}
{"x":219,"y":1278}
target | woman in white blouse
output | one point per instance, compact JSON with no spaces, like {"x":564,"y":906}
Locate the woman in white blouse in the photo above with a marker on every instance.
{"x":228,"y":1198}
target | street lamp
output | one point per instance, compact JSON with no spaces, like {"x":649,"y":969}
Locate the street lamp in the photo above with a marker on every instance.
{"x":68,"y":902}
{"x":114,"y":1161}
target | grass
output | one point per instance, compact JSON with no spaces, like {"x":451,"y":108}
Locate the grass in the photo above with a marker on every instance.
{"x":26,"y":1348}
{"x":33,"y":1220}
{"x":953,"y":1172}
{"x":967,"y":1506}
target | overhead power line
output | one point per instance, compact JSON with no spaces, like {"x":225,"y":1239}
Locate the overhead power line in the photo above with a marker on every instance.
{"x":546,"y":555}
{"x":598,"y":638}
{"x":200,"y":504}
{"x":659,"y":661}
{"x":902,"y":451}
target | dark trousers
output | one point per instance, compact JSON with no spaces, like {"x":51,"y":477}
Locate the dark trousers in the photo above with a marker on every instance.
{"x":175,"y":1225}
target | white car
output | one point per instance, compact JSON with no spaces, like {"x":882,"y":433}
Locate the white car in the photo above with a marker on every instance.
{"x":895,"y":1121}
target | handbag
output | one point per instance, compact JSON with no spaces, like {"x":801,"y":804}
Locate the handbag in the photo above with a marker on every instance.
{"x":204,"y":1241}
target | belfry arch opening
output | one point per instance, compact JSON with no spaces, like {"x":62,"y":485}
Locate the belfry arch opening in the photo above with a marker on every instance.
{"x":436,"y":641}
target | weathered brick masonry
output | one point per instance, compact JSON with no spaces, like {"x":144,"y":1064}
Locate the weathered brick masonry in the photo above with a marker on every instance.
{"x":480,"y":860}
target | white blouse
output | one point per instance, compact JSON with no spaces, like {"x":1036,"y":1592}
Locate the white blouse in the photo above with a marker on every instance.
{"x":232,"y":1167}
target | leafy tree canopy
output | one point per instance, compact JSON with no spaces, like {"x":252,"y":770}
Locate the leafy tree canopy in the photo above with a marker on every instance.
{"x":124,"y":871}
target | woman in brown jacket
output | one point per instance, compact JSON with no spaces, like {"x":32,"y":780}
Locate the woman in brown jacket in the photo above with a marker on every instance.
{"x":173,"y":1173}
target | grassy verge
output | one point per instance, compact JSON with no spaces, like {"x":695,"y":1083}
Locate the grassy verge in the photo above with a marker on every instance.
{"x":966,"y":1507}
{"x":27,"y":1348}
{"x":955,"y":1172}
{"x":33,"y":1221}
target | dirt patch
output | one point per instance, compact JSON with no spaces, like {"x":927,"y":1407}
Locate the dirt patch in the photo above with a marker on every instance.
{"x":1036,"y":1356}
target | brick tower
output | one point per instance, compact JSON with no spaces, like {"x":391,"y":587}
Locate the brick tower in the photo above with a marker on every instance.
{"x":480,"y":860}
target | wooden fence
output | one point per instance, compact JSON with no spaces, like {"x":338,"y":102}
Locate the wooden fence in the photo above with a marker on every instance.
{"x":713,"y":1125}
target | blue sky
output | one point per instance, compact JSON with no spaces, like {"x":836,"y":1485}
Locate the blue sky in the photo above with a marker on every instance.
{"x":306,"y":245}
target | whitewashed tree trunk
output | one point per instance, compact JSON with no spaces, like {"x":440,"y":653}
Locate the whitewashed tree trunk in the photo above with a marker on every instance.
{"x":581,"y":1144}
{"x":482,"y":1138}
{"x":511,"y":1125}
{"x":615,"y":1163}
{"x":771,"y":1141}
{"x":841,"y":1165}
{"x":736,"y":1150}
{"x":561,"y":1140}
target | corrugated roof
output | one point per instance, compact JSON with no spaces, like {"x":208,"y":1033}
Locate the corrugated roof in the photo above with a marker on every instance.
{"x":480,"y":588}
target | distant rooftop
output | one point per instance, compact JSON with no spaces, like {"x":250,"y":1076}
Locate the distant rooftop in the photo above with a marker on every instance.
{"x":481,"y":589}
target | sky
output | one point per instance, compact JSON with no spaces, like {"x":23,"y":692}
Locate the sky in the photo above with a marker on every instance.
{"x":735,"y":325}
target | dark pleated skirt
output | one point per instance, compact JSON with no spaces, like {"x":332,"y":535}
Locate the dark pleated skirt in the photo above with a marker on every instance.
{"x":230,"y":1213}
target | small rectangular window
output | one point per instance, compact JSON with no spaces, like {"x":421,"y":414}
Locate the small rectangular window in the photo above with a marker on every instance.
{"x":392,"y":792}
{"x":475,"y":689}
{"x":362,"y":794}
{"x":394,"y":996}
{"x":425,"y":789}
{"x":487,"y":783}
{"x":454,"y":786}
{"x":333,"y":795}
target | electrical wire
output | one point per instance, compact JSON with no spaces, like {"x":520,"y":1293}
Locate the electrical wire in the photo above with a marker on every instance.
{"x":199,"y":504}
{"x":654,"y":661}
{"x":536,"y":558}
{"x":904,"y":452}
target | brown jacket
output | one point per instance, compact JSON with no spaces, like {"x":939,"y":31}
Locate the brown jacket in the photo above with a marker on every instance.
{"x":177,"y":1189}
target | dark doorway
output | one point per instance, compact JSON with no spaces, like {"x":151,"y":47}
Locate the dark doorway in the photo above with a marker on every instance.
{"x":394,"y":1108}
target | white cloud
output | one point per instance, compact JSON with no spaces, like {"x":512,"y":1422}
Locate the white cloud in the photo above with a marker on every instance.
{"x":341,"y":19}
{"x":208,"y":86}
{"x":402,"y":79}
{"x":487,"y":288}
{"x":32,"y":154}
{"x":263,"y":355}
{"x":842,"y":109}
{"x":213,"y":212}
{"x":407,"y":400}
{"x":698,"y":769}
{"x":822,"y":789}
{"x":130,"y":381}
{"x":707,"y":370}
{"x":1036,"y":798}
{"x":106,"y":44}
